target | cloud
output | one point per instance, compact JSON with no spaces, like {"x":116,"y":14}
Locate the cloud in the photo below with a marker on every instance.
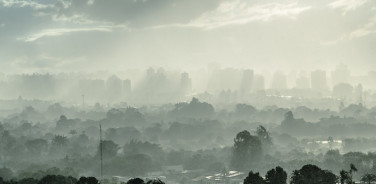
{"x":347,"y":5}
{"x":22,"y":4}
{"x":138,"y":13}
{"x":45,"y":63}
{"x":365,"y":30}
{"x":62,"y":31}
{"x":239,"y":12}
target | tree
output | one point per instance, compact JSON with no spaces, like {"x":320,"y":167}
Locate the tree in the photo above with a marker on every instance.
{"x":253,"y":178}
{"x":244,"y":110}
{"x":27,"y":181}
{"x":352,"y":169}
{"x":332,"y":159}
{"x":135,"y":181}
{"x":36,"y":146}
{"x":195,"y":109}
{"x":247,"y":151}
{"x":156,"y":181}
{"x":289,"y":116}
{"x":6,"y":173}
{"x":264,"y":136}
{"x":368,"y":178}
{"x":60,"y":141}
{"x":276,"y":176}
{"x":311,"y":174}
{"x":57,"y":179}
{"x":151,"y":149}
{"x":87,"y":180}
{"x":109,"y":149}
{"x":344,"y":176}
{"x":139,"y":164}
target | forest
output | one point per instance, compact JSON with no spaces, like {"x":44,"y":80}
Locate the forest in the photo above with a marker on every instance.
{"x":188,"y":142}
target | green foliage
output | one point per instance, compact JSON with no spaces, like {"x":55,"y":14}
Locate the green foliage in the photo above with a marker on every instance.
{"x":136,"y":181}
{"x":156,"y":181}
{"x":344,"y":177}
{"x":87,"y":180}
{"x":109,"y":149}
{"x":6,"y":173}
{"x":193,"y":109}
{"x":57,"y":179}
{"x":253,"y":178}
{"x":247,"y":151}
{"x":276,"y":176}
{"x":368,"y":178}
{"x":311,"y":174}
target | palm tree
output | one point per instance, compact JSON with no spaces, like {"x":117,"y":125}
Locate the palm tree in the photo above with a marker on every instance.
{"x":60,"y":140}
{"x":352,"y":169}
{"x":368,"y":178}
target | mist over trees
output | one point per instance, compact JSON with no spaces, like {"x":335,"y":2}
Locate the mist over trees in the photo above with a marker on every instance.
{"x":163,"y":127}
{"x":185,"y":141}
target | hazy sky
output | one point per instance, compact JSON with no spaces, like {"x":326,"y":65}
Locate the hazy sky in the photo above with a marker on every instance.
{"x":51,"y":35}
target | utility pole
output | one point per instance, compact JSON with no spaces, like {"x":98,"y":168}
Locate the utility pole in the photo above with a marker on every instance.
{"x":101,"y":150}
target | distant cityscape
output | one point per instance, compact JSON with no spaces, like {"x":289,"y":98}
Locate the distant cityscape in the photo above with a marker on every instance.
{"x":215,"y":85}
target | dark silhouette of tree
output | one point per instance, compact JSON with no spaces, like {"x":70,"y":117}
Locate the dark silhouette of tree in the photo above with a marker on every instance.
{"x":109,"y":149}
{"x":195,"y":109}
{"x":368,"y":178}
{"x":6,"y":173}
{"x":276,"y":176}
{"x":264,"y":136}
{"x":244,"y":110}
{"x":253,"y":178}
{"x":65,"y":124}
{"x":27,"y":181}
{"x":135,"y":181}
{"x":87,"y":180}
{"x":247,"y":150}
{"x":129,"y":116}
{"x":344,"y":176}
{"x":289,"y":116}
{"x":57,"y":179}
{"x":151,"y":149}
{"x":332,"y":159}
{"x":352,"y":170}
{"x":156,"y":181}
{"x":60,"y":141}
{"x":311,"y":174}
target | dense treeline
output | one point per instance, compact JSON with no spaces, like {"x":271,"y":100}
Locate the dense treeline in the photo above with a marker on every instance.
{"x":59,"y":179}
{"x":141,"y":141}
{"x":308,"y":174}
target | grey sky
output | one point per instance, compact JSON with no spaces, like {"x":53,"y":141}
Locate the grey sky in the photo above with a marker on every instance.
{"x":88,"y":35}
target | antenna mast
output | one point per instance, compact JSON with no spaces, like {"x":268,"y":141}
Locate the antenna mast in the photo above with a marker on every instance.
{"x":101,"y":151}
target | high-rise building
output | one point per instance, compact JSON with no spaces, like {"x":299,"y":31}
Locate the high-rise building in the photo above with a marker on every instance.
{"x":279,"y":81}
{"x":185,"y":83}
{"x":302,"y":82}
{"x":340,"y":75}
{"x":258,"y":83}
{"x":114,"y":88}
{"x":319,"y":81}
{"x":246,"y":82}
